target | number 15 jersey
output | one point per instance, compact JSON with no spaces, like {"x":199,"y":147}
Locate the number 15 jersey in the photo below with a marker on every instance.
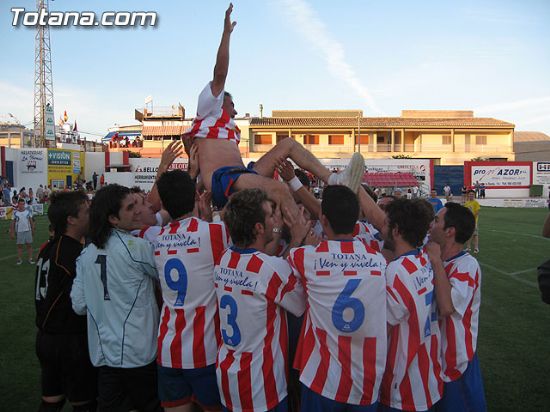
{"x":342,"y":348}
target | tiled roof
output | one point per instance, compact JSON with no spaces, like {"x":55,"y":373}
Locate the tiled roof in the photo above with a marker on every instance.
{"x":523,"y":137}
{"x":163,"y":130}
{"x":384,"y":179}
{"x":380,"y":122}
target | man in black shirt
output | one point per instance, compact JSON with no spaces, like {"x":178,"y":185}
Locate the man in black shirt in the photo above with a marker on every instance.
{"x":61,"y":342}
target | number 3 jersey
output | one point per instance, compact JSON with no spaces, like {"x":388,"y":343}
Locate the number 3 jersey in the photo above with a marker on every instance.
{"x":412,"y":378}
{"x":342,"y":349}
{"x":185,"y":254}
{"x":253,"y":289}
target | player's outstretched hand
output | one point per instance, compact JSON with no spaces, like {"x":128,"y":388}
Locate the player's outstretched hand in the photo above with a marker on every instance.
{"x":299,"y":226}
{"x":172,"y":151}
{"x":228,"y":25}
{"x":286,"y":170}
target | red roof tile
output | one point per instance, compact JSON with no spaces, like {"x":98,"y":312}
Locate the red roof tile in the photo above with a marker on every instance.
{"x":390,"y":179}
{"x":380,"y":122}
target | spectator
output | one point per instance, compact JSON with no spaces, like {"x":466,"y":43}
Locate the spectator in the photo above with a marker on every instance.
{"x":6,"y":194}
{"x":447,"y":191}
{"x":463,"y":192}
{"x":40,"y":194}
{"x":482,"y":190}
{"x":22,"y":229}
{"x":436,"y":203}
{"x":474,"y":206}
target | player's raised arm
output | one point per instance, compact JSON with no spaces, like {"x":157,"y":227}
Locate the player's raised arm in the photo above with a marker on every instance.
{"x":222,"y":59}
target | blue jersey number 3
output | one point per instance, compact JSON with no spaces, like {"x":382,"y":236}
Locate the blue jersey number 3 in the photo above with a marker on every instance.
{"x":180,"y":284}
{"x":345,"y":301}
{"x":235,"y":338}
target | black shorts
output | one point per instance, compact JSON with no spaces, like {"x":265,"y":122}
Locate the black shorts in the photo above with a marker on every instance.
{"x":125,"y":389}
{"x":65,"y":366}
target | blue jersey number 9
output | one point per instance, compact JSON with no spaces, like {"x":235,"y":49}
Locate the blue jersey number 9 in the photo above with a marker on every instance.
{"x":235,"y":338}
{"x":180,"y":284}
{"x":345,"y":301}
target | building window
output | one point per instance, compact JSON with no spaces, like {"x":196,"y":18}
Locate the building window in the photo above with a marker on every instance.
{"x":336,"y":139}
{"x":446,"y":139}
{"x":364,"y":139}
{"x":283,"y":137}
{"x":262,"y":139}
{"x":481,"y":140}
{"x":311,"y":139}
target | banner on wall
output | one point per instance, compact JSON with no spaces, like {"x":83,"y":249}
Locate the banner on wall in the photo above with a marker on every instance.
{"x":50,"y":123}
{"x":59,"y":157}
{"x":31,"y":161}
{"x":542,"y":173}
{"x":499,"y":175}
{"x":76,"y":163}
{"x":145,"y":170}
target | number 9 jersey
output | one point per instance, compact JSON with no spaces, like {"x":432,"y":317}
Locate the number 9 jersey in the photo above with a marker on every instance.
{"x":342,"y":349}
{"x":186,"y":251}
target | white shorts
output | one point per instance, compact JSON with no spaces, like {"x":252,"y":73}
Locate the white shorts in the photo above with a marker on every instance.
{"x":24,"y":237}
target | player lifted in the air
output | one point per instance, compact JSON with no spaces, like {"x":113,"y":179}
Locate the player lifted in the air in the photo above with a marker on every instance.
{"x":217,"y":136}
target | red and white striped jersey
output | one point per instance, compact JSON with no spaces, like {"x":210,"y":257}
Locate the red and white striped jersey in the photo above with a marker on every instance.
{"x":253,"y":290}
{"x":342,"y":350}
{"x":459,"y":331}
{"x":369,"y":235}
{"x":412,"y":380}
{"x":185,"y":254}
{"x":212,"y":121}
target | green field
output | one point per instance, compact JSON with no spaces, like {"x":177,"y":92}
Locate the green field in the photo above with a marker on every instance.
{"x":514,"y":337}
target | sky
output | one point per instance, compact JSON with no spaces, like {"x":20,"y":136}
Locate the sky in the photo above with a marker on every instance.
{"x":490,"y":56}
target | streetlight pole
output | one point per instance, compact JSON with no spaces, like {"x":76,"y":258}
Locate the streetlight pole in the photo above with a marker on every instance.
{"x":359,"y":131}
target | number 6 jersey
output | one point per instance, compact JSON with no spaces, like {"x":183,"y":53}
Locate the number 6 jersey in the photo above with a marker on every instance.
{"x":253,"y":289}
{"x":342,"y":349}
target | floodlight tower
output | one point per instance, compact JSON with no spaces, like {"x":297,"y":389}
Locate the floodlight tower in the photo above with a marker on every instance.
{"x":44,"y":119}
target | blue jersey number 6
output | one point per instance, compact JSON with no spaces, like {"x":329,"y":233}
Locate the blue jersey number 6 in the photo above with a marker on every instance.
{"x":235,"y":337}
{"x":345,"y":301}
{"x":180,"y":284}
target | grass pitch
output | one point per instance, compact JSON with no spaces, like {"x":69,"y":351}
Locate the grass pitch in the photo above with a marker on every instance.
{"x":514,"y":336}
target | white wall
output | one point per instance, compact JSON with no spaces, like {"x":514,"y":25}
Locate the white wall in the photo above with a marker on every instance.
{"x":95,"y":162}
{"x":122,"y":178}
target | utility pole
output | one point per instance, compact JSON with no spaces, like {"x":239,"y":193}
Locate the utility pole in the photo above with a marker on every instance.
{"x":44,"y":119}
{"x":359,"y":131}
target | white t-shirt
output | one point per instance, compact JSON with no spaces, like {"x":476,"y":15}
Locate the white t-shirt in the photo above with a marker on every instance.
{"x":212,"y":121}
{"x":22,"y":220}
